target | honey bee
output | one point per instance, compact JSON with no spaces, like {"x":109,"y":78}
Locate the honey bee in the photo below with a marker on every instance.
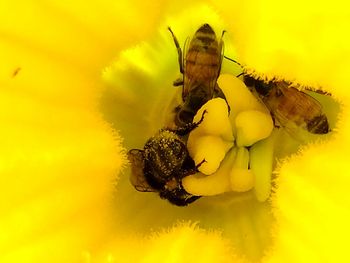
{"x":200,"y":68}
{"x":163,"y":163}
{"x":288,"y":105}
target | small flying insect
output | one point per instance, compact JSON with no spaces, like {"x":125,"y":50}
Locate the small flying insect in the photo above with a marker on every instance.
{"x":163,"y":163}
{"x":200,"y":67}
{"x":288,"y":105}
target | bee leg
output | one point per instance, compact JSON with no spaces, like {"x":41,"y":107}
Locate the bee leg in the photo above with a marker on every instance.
{"x":218,"y":93}
{"x":222,"y":34}
{"x":199,"y":165}
{"x":179,"y":51}
{"x":181,"y":131}
{"x":240,"y":74}
{"x":179,"y":199}
{"x":275,"y":124}
{"x":178,"y":82}
{"x":177,"y":109}
{"x":221,"y":49}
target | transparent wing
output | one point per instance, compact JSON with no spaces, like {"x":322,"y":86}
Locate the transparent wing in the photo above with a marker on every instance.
{"x":217,"y":91}
{"x":137,"y":177}
{"x":221,"y":51}
{"x":201,"y":74}
{"x":185,"y":80}
{"x":303,"y":104}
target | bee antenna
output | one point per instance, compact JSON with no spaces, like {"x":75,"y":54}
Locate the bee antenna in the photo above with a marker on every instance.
{"x":233,"y":61}
{"x":223,"y":32}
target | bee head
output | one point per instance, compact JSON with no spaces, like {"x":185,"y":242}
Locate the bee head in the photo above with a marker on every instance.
{"x":260,"y":86}
{"x":206,"y":29}
{"x":184,"y":116}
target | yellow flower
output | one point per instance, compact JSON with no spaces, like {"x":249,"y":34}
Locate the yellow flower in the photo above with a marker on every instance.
{"x":63,"y":195}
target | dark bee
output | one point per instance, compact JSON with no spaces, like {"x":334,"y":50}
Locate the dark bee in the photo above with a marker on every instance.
{"x":290,"y":105}
{"x":163,"y":163}
{"x":200,"y":67}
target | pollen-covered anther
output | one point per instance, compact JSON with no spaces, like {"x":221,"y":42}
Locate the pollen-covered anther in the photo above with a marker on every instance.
{"x":232,"y":175}
{"x":216,"y":121}
{"x":261,"y":163}
{"x":241,"y":178}
{"x":227,"y":168}
{"x":213,"y":138}
{"x":212,"y":149}
{"x":238,"y":96}
{"x":252,"y":126}
{"x":214,"y":184}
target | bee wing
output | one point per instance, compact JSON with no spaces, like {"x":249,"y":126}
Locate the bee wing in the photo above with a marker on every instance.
{"x":217,"y":91}
{"x":221,"y":50}
{"x":304,"y":103}
{"x":137,"y":177}
{"x":185,"y":50}
{"x":289,"y":126}
{"x":191,"y":81}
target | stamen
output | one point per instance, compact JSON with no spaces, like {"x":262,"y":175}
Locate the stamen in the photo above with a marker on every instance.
{"x":252,"y":126}
{"x":261,"y":162}
{"x":241,"y":178}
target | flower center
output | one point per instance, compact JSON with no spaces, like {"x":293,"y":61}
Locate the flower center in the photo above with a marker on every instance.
{"x":138,"y":102}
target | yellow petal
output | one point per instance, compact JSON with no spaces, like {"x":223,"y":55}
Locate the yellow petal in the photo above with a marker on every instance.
{"x":59,"y":158}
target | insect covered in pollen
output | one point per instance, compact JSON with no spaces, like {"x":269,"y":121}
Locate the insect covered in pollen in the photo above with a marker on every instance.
{"x":290,"y":107}
{"x":200,"y":67}
{"x":163,"y":163}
